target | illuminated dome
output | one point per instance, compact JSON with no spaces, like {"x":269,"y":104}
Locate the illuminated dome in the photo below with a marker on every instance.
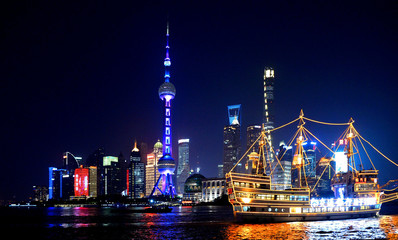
{"x":158,"y":145}
{"x":166,"y":164}
{"x":167,"y":89}
{"x":194,"y":183}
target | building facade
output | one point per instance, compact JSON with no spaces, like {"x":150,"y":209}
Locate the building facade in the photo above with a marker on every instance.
{"x":281,"y":176}
{"x":213,"y":188}
{"x":193,"y":188}
{"x":136,"y":174}
{"x":111,"y":176}
{"x":269,"y":117}
{"x":151,"y":168}
{"x":56,"y":184}
{"x":231,"y":147}
{"x":183,"y":168}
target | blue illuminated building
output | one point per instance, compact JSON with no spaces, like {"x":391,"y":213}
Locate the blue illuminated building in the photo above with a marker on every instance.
{"x":233,"y":114}
{"x":56,"y":188}
{"x":166,"y":164}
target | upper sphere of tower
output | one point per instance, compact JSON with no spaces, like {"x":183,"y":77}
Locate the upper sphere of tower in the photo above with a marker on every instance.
{"x":167,"y":89}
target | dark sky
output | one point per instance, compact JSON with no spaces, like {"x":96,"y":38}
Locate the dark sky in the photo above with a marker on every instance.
{"x":77,"y":75}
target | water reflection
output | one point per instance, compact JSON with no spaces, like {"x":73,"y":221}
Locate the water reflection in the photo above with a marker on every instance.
{"x":266,"y":231}
{"x":206,"y":223}
{"x":384,"y":227}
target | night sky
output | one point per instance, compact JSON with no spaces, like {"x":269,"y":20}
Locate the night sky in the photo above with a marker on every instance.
{"x":79,"y":75}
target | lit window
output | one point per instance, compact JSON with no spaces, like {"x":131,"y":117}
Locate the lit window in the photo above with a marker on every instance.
{"x":168,"y":112}
{"x":167,"y":140}
{"x":167,"y":121}
{"x":167,"y":131}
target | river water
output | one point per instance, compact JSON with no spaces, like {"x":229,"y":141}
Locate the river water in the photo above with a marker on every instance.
{"x":205,"y":222}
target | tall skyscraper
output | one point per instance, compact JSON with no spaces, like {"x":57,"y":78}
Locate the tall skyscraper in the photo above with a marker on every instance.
{"x":56,"y":184}
{"x":151,"y":168}
{"x":111,"y":176}
{"x":269,"y":79}
{"x":183,"y":164}
{"x":136,"y":174}
{"x":309,"y":177}
{"x":232,"y":144}
{"x":269,"y":117}
{"x":95,"y":159}
{"x":166,"y":164}
{"x":281,"y":177}
{"x":70,"y":163}
{"x":252,"y":134}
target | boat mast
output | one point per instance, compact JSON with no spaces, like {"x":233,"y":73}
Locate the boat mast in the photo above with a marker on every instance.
{"x":298,"y":161}
{"x":349,"y":147}
{"x":262,"y":163}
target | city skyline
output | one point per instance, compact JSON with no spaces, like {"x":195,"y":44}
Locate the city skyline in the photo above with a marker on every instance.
{"x":78,"y":83}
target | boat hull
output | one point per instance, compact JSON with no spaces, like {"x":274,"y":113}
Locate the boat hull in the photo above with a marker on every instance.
{"x":288,"y":217}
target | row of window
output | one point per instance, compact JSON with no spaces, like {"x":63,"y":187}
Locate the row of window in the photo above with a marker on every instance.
{"x":273,"y":197}
{"x":251,"y":185}
{"x":213,"y":184}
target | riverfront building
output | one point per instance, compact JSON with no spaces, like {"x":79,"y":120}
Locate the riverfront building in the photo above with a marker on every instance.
{"x":136,"y":174}
{"x":183,"y":168}
{"x":231,"y":144}
{"x":151,"y":168}
{"x":213,"y":188}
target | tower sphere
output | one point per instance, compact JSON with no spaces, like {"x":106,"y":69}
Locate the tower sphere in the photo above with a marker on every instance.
{"x":167,"y":89}
{"x":166,"y":164}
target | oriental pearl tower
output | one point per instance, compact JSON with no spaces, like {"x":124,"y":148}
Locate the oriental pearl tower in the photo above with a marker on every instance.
{"x":166,"y":164}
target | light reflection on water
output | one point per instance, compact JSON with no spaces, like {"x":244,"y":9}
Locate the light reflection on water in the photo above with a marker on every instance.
{"x":195,"y":223}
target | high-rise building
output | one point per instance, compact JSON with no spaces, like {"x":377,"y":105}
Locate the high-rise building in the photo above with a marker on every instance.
{"x":136,"y":174}
{"x":232,"y":144}
{"x":166,"y":164}
{"x":151,"y":168}
{"x":93,"y":181}
{"x":323,"y":188}
{"x":281,"y":175}
{"x":70,"y":163}
{"x":308,"y":177}
{"x":56,"y":185}
{"x":111,"y":176}
{"x":269,"y":117}
{"x":183,"y":168}
{"x":81,"y":182}
{"x":252,"y":134}
{"x":95,"y":159}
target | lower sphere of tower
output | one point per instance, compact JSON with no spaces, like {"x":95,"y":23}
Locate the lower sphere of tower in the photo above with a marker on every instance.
{"x":166,"y":165}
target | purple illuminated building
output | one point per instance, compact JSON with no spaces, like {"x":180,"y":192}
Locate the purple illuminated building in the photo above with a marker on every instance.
{"x":166,"y":164}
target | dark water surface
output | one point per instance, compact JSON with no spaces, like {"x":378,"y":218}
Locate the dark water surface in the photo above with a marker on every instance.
{"x":206,"y":222}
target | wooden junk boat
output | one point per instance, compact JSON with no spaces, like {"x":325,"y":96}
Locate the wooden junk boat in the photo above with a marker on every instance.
{"x":256,"y":194}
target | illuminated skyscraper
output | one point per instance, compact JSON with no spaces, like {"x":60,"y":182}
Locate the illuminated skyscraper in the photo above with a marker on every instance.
{"x":232,"y":145}
{"x":253,"y":132}
{"x":136,"y":174}
{"x":281,"y":177}
{"x":166,"y":164}
{"x":269,"y":118}
{"x":151,"y":168}
{"x":183,"y":164}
